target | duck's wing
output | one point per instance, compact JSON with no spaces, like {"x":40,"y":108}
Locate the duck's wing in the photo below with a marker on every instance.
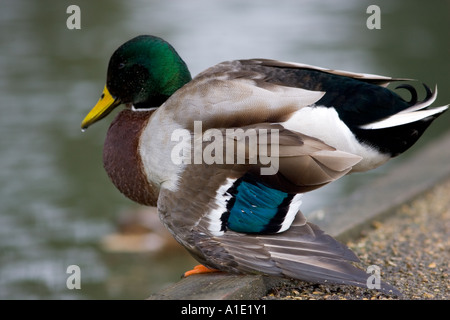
{"x":303,"y":252}
{"x":291,"y":74}
{"x":246,"y":92}
{"x":272,"y":91}
{"x":235,"y":218}
{"x":366,"y":77}
{"x":256,"y":172}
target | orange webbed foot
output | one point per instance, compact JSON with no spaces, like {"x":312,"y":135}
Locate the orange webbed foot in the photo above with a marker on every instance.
{"x":199,"y":269}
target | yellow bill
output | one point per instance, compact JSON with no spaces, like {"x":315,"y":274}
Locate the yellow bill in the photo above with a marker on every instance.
{"x":103,"y":107}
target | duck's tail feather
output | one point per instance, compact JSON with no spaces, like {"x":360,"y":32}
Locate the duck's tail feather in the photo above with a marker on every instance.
{"x":416,"y":112}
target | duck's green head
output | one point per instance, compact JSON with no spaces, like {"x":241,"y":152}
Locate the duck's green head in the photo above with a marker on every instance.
{"x":144,"y":71}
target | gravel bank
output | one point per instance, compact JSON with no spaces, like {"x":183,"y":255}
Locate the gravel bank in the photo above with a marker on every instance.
{"x":411,"y":248}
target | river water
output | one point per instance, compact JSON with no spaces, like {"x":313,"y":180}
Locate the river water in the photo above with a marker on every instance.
{"x":57,"y":205}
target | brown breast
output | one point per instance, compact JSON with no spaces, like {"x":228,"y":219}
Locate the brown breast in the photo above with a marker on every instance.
{"x":122,"y":160}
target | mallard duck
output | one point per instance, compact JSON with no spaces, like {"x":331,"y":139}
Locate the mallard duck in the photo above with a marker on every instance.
{"x":227,"y":155}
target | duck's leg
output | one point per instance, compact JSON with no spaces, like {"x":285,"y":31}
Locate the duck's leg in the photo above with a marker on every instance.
{"x":199,"y":269}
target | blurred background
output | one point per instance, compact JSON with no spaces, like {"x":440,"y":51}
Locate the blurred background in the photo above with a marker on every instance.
{"x":57,"y":206}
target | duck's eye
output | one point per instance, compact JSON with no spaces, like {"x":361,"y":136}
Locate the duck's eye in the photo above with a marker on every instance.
{"x":122,"y":65}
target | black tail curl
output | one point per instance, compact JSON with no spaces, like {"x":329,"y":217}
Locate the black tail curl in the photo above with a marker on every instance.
{"x":413,"y":92}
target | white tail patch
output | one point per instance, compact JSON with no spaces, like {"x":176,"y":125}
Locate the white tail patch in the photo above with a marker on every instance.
{"x":403,"y":118}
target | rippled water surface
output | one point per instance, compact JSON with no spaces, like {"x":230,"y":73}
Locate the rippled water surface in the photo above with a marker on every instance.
{"x":57,"y":205}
